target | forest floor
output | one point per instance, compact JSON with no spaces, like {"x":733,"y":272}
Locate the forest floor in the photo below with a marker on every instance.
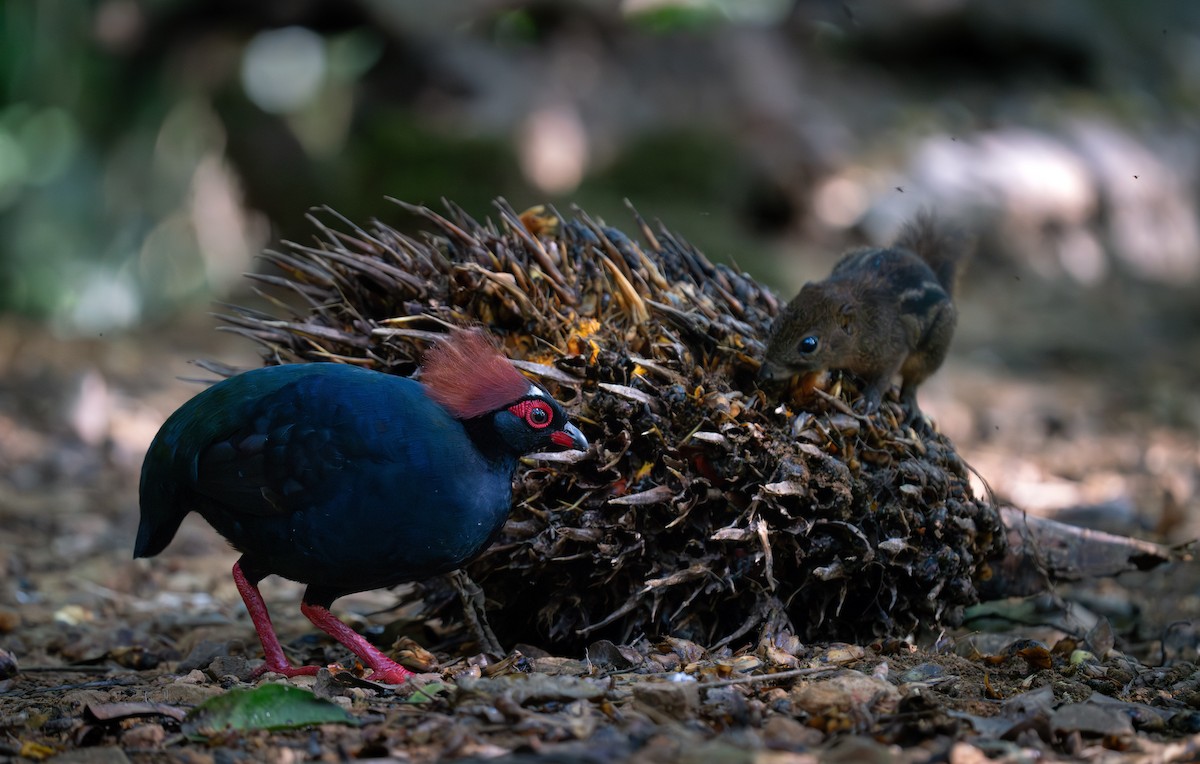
{"x":1093,"y":421}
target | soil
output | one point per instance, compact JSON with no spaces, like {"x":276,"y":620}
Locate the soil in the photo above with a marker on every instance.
{"x":1092,"y":420}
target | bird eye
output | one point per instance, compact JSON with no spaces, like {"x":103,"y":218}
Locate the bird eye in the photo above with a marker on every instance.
{"x":535,"y":413}
{"x":538,"y":416}
{"x":808,"y":344}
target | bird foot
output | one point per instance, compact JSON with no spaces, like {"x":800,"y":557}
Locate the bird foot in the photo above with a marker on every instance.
{"x":285,"y":669}
{"x":393,"y":674}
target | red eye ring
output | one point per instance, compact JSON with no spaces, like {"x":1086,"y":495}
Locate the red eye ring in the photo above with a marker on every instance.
{"x":537,"y":414}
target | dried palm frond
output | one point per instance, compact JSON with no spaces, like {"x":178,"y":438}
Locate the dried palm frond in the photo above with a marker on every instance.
{"x":705,"y":508}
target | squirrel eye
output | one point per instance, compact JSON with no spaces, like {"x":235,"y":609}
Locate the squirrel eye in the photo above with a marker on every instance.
{"x":808,"y":344}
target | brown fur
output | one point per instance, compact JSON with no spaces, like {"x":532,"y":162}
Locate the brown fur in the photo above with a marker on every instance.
{"x":468,"y":375}
{"x":943,"y":248}
{"x":880,"y":313}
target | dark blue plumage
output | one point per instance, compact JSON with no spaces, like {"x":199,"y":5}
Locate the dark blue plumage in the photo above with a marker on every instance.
{"x":347,"y":479}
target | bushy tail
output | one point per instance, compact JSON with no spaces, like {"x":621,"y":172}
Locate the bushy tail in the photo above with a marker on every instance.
{"x":943,"y":247}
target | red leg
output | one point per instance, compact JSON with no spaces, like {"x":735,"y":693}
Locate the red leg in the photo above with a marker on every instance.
{"x":272,"y":650}
{"x":383,"y":668}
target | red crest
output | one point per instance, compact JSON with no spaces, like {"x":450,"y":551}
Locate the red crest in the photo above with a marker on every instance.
{"x":468,"y":375}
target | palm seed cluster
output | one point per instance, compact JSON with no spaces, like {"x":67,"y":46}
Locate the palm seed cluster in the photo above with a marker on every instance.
{"x":707,"y":508}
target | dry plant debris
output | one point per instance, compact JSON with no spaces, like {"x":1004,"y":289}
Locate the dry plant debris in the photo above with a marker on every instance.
{"x":668,"y":701}
{"x":706,"y":510}
{"x":109,"y":656}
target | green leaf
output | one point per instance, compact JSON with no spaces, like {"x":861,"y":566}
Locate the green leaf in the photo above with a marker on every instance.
{"x":269,"y":707}
{"x":427,"y":693}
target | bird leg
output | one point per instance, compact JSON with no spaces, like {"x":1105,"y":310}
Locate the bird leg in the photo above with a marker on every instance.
{"x":272,"y":650}
{"x":383,"y":668}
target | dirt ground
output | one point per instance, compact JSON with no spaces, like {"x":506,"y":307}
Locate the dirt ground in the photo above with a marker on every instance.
{"x":1092,"y":420}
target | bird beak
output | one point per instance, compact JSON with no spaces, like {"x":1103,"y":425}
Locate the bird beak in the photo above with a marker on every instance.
{"x":569,"y":437}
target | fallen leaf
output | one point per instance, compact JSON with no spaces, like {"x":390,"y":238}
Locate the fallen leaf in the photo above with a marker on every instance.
{"x":269,"y":707}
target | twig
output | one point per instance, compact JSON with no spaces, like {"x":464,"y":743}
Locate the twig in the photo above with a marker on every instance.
{"x":840,"y":405}
{"x":119,"y":681}
{"x":472,"y":599}
{"x":69,"y":669}
{"x":790,"y":674}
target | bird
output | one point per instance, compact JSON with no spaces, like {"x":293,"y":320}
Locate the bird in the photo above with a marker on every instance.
{"x":347,"y":479}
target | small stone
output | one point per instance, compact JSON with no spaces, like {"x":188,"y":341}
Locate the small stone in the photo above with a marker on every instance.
{"x":9,"y":620}
{"x":674,"y":700}
{"x":195,"y":676}
{"x":666,"y":661}
{"x":553,"y":666}
{"x":181,"y":694}
{"x":845,"y":692}
{"x":202,"y":654}
{"x":144,"y":736}
{"x":230,"y":665}
{"x":604,"y":653}
{"x":783,"y":733}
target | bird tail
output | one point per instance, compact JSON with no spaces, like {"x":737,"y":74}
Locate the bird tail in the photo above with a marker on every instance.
{"x":155,"y":532}
{"x":161,"y":515}
{"x":944,"y":248}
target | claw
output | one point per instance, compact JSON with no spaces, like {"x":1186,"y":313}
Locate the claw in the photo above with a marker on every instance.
{"x":394,"y":674}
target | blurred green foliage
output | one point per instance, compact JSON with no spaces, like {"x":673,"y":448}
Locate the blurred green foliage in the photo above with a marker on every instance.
{"x":93,"y":163}
{"x":424,"y":165}
{"x":150,"y":148}
{"x":138,"y":178}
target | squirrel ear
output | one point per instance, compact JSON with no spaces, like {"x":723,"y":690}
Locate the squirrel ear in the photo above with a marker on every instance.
{"x":846,"y":317}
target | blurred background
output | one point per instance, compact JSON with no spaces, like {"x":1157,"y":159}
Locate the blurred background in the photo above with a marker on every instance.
{"x":149,"y":149}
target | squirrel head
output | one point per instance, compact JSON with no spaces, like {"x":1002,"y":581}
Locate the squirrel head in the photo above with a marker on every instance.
{"x":814,"y":332}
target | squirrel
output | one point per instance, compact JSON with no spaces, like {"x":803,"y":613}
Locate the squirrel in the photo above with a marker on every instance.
{"x":880,"y":312}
